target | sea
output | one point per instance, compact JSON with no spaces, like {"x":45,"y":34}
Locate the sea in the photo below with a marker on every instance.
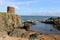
{"x":41,"y":27}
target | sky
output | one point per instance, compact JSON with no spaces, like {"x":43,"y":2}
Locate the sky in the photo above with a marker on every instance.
{"x":32,"y":7}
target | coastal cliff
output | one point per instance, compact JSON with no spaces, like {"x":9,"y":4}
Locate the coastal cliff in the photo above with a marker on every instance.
{"x":9,"y":21}
{"x":10,"y":28}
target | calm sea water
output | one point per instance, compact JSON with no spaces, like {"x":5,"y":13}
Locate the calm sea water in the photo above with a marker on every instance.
{"x":41,"y":27}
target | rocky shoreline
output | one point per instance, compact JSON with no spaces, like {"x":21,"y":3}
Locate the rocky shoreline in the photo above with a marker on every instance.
{"x":11,"y":29}
{"x":53,"y":21}
{"x":28,"y":35}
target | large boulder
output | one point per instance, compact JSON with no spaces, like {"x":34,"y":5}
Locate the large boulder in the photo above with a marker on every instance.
{"x":28,"y":24}
{"x":35,"y":36}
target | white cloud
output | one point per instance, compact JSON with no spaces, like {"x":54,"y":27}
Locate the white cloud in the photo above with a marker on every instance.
{"x":18,"y":3}
{"x":6,"y":3}
{"x":11,"y":2}
{"x":16,"y":7}
{"x":14,"y":3}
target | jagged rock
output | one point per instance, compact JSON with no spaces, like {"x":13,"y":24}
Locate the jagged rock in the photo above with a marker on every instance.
{"x":35,"y":37}
{"x":28,"y":24}
{"x":9,"y":21}
{"x":25,"y":34}
{"x":19,"y":33}
{"x":13,"y":21}
{"x":54,"y":21}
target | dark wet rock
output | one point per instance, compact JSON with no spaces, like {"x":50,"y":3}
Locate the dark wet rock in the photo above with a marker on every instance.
{"x":35,"y":37}
{"x":24,"y":35}
{"x":54,"y":21}
{"x":28,"y":24}
{"x":48,"y":21}
{"x":51,"y":29}
{"x":27,"y":28}
{"x":57,"y":27}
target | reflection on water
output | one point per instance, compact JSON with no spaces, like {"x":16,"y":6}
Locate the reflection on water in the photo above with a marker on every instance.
{"x":41,"y":27}
{"x":57,"y":27}
{"x":45,"y":28}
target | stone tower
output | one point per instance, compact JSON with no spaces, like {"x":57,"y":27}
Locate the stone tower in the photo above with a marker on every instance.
{"x":10,"y":9}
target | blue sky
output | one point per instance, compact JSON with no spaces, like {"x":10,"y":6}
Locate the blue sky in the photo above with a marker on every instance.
{"x":33,"y":7}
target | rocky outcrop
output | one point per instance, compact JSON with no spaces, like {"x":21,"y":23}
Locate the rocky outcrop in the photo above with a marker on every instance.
{"x":54,"y":21}
{"x":31,"y":36}
{"x":51,"y":20}
{"x":19,"y":33}
{"x":48,"y":21}
{"x":9,"y":21}
{"x":10,"y":28}
{"x":28,"y":24}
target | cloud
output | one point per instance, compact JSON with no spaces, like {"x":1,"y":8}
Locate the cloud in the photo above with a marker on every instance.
{"x":43,"y":3}
{"x":14,"y":3}
{"x":17,"y":3}
{"x":16,"y":7}
{"x":6,"y":3}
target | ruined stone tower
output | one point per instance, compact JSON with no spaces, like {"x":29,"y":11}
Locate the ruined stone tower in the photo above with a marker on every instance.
{"x":10,"y":9}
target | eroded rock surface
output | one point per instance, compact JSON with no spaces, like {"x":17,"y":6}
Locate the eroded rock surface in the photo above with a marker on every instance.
{"x":9,"y":21}
{"x":10,"y":28}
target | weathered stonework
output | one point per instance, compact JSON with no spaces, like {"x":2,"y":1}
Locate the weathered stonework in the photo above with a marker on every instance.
{"x":10,"y":10}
